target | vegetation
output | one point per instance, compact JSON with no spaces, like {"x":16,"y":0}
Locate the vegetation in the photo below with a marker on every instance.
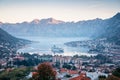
{"x":45,"y":72}
{"x":102,"y":77}
{"x":81,"y":56}
{"x":68,"y":76}
{"x":68,"y":66}
{"x":115,"y":75}
{"x":30,"y":59}
{"x":57,"y":65}
{"x":116,"y":72}
{"x":102,"y":58}
{"x":15,"y":74}
{"x":111,"y":77}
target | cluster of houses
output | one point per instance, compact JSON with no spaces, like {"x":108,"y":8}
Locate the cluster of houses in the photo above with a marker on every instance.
{"x":67,"y":74}
{"x":8,"y":61}
{"x":82,"y":72}
{"x":85,"y":68}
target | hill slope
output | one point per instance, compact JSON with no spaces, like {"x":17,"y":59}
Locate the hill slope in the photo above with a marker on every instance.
{"x":112,"y":31}
{"x":9,"y":44}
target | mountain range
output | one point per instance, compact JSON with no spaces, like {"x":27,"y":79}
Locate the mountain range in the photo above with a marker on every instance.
{"x":96,"y":28}
{"x":53,"y":28}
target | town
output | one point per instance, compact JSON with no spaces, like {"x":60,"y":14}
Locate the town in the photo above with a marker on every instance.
{"x":83,"y":67}
{"x":67,"y":67}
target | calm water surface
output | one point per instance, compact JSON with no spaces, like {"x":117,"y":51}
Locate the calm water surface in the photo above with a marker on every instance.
{"x":43,"y":46}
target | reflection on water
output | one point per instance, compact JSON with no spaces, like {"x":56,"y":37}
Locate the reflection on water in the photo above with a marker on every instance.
{"x":43,"y":45}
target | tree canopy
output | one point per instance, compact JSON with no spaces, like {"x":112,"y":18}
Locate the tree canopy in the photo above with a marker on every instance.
{"x":45,"y":72}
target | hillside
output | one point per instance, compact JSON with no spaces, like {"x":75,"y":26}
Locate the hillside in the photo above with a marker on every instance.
{"x":9,"y":44}
{"x":112,"y":29}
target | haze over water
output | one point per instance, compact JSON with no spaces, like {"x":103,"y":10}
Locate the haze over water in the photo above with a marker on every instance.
{"x":43,"y":45}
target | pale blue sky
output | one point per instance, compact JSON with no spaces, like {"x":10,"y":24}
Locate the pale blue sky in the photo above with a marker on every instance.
{"x":67,"y":10}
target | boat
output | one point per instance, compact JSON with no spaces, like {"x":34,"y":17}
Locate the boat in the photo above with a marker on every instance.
{"x":56,"y":49}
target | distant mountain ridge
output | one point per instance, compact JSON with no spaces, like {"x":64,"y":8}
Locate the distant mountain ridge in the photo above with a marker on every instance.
{"x":96,"y":28}
{"x":52,"y":28}
{"x":46,"y":21}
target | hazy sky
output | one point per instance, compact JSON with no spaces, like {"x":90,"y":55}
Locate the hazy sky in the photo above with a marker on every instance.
{"x":67,"y":10}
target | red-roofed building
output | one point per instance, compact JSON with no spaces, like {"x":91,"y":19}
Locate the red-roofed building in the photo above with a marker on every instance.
{"x":34,"y":74}
{"x":63,"y":70}
{"x":82,"y":76}
{"x":72,"y":72}
{"x":18,"y":58}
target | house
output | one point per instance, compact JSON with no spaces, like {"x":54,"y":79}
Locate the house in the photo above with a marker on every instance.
{"x":62,"y":74}
{"x":82,"y":76}
{"x":95,"y":75}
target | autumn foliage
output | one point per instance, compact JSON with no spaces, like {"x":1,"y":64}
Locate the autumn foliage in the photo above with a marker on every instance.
{"x":45,"y":72}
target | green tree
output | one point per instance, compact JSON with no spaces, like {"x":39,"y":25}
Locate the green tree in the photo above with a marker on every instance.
{"x":57,"y":65}
{"x":102,"y":77}
{"x":68,"y":66}
{"x":15,"y":74}
{"x":116,"y":72}
{"x":115,"y":75}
